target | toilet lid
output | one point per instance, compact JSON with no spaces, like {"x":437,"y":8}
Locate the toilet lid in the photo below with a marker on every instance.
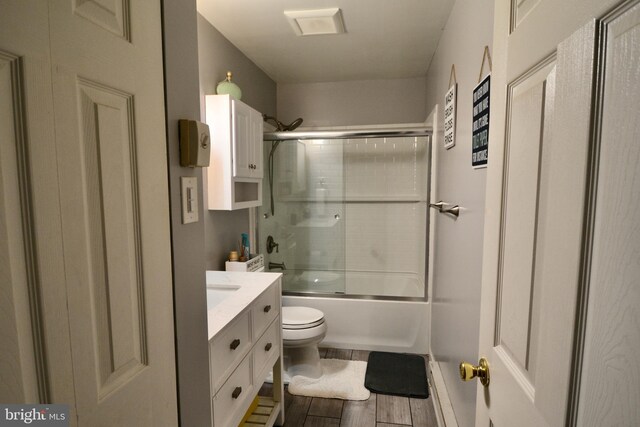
{"x":301,"y":317}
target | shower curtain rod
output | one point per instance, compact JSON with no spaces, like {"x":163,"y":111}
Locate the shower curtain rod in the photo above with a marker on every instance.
{"x":347,"y":133}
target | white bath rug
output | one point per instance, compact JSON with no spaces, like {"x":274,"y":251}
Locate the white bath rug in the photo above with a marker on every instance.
{"x":341,"y":379}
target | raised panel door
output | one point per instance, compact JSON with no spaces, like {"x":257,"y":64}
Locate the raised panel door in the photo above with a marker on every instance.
{"x":536,"y":193}
{"x":111,"y":157}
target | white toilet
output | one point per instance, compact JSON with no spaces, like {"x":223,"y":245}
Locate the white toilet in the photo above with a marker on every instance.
{"x":302,"y":330}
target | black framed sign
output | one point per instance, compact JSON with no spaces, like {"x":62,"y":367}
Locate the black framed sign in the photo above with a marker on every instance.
{"x":480,"y":128}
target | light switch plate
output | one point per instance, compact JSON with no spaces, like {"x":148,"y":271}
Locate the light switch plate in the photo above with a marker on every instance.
{"x":189,"y":186}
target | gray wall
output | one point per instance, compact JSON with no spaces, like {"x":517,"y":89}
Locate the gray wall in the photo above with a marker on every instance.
{"x":217,"y":56}
{"x":360,"y":102}
{"x":181,"y":95}
{"x":458,"y":243}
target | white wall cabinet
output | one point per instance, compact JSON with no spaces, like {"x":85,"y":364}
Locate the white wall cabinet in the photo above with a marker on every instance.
{"x":234,"y":176}
{"x":246,"y":140}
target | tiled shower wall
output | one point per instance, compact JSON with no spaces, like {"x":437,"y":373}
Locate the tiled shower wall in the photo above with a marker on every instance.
{"x":354,"y":205}
{"x":385,"y":194}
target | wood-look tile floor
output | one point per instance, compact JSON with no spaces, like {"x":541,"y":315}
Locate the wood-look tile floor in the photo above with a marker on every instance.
{"x":378,"y":411}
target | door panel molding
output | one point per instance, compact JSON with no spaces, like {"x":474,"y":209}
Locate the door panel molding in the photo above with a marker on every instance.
{"x":519,"y":11}
{"x":12,"y":76}
{"x":113,"y":233}
{"x":115,"y":19}
{"x":521,"y":83}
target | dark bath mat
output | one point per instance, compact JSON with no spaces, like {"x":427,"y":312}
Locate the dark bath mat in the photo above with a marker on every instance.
{"x":396,"y":374}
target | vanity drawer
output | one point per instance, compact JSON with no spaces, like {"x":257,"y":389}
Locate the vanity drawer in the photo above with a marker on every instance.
{"x":228,"y":348}
{"x":234,"y":396}
{"x":264,"y":350}
{"x":265,"y":308}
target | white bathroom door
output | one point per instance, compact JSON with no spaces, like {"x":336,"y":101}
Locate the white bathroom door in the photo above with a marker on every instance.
{"x":84,"y":194}
{"x":111,"y":152}
{"x":537,"y":193}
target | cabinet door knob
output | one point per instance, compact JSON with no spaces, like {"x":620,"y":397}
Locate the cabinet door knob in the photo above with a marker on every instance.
{"x":236,"y":392}
{"x":234,"y":344}
{"x":268,"y":346}
{"x":267,"y":308}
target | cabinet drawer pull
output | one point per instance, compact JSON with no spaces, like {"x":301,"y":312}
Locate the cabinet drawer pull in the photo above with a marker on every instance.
{"x":268,"y":346}
{"x":234,"y":344}
{"x":236,"y":392}
{"x":267,"y":308}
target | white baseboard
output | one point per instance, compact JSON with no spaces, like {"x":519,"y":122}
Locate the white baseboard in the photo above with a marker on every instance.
{"x":443,"y":408}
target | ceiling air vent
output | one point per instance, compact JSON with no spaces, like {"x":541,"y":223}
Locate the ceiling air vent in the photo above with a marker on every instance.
{"x":316,"y":22}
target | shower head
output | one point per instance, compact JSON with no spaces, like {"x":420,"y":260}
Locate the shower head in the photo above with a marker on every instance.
{"x":294,"y":124}
{"x":281,"y":126}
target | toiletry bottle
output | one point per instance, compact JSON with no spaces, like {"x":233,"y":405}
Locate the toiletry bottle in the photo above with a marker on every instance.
{"x":245,"y":246}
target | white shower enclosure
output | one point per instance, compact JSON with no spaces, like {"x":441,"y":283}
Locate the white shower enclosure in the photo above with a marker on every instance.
{"x":350,"y":216}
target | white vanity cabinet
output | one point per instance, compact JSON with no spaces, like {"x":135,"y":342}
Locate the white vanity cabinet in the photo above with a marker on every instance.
{"x":245,"y":345}
{"x":234,"y":176}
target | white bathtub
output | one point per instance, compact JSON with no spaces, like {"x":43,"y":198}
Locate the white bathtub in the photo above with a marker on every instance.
{"x":368,"y":324}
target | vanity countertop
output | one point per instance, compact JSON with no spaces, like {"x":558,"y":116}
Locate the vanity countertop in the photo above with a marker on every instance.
{"x":249,"y":287}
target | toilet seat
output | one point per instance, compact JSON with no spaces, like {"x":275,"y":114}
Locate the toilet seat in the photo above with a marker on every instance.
{"x":297,"y":336}
{"x":294,"y":317}
{"x":305,"y":326}
{"x":302,"y":324}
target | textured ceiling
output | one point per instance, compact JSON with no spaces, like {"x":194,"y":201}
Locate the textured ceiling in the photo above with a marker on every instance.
{"x":385,"y":39}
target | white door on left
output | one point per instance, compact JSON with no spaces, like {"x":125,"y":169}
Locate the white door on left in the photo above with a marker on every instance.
{"x":91,"y":176}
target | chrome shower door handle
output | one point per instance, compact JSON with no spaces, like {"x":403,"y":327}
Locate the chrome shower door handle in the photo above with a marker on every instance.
{"x":454,"y":210}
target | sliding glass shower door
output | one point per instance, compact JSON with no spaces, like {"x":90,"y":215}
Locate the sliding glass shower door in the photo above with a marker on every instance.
{"x":350,"y":215}
{"x":307,"y":223}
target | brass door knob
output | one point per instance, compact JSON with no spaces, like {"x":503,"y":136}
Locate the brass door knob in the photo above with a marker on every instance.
{"x":469,"y":371}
